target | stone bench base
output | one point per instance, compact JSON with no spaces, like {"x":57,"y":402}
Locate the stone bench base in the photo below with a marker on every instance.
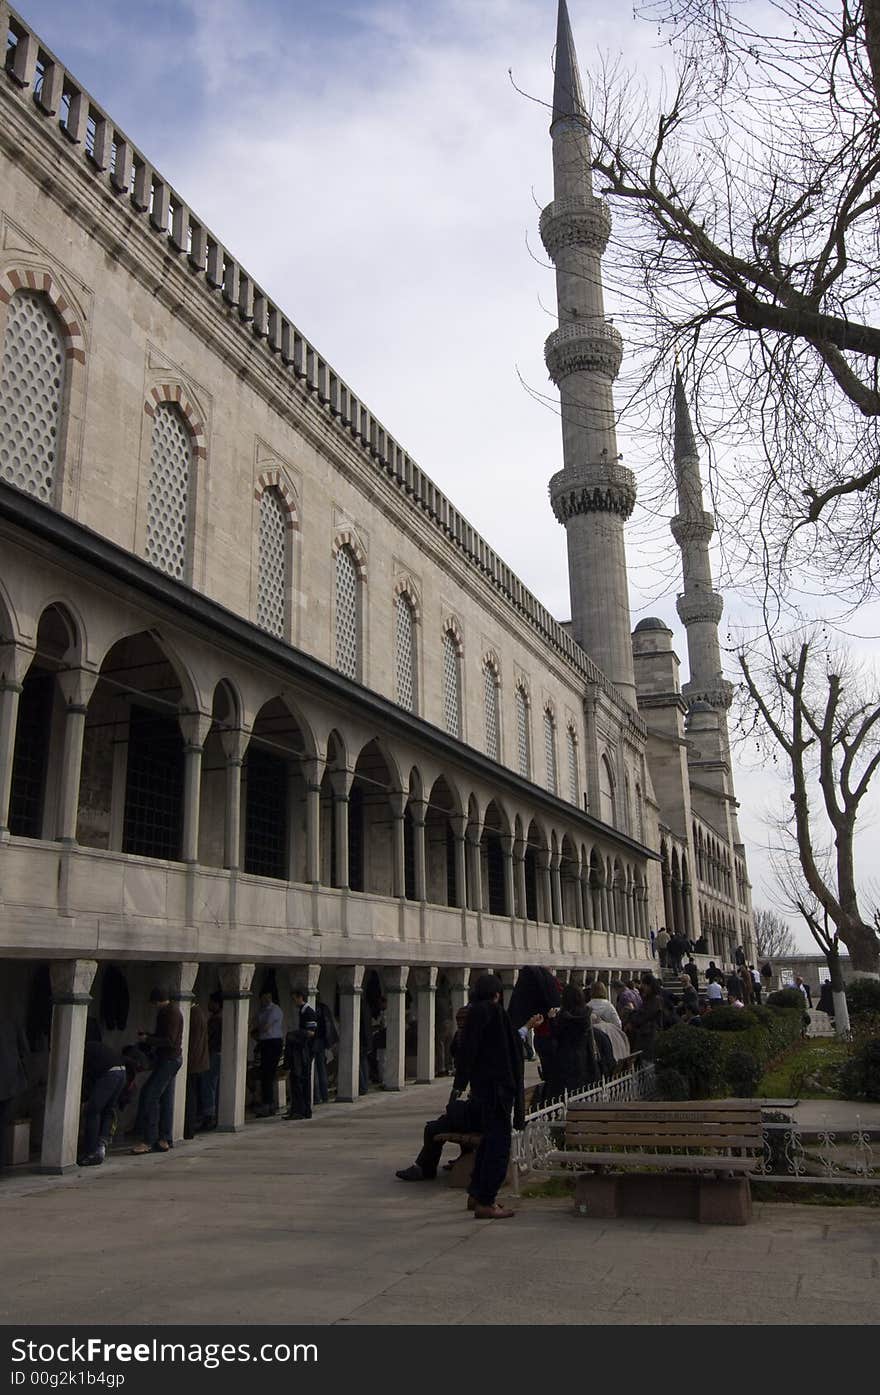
{"x":709,"y":1200}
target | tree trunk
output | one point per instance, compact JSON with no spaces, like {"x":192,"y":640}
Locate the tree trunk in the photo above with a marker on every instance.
{"x":864,"y":950}
{"x":841,"y":1011}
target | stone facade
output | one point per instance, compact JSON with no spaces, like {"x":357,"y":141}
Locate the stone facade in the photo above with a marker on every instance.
{"x":267,"y":700}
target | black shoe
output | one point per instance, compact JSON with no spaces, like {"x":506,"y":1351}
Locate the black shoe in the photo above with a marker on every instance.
{"x":297,"y":1116}
{"x":413,"y":1174}
{"x":93,"y":1160}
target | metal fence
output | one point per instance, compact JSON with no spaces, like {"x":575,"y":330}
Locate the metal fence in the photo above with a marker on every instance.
{"x":532,"y":1144}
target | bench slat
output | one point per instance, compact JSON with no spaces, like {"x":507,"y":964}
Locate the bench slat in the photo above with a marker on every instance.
{"x":683,"y":1140}
{"x":586,"y":1126}
{"x":668,"y":1161}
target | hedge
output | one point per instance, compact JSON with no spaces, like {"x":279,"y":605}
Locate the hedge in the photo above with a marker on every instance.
{"x":701,"y":1054}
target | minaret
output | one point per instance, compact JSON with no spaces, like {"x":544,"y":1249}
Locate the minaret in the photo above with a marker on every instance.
{"x":593,"y":495}
{"x":699,"y":606}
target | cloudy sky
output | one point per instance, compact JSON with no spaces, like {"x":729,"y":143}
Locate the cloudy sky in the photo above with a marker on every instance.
{"x":372,"y":164}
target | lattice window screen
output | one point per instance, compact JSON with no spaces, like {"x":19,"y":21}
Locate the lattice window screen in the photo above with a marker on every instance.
{"x":272,"y":577}
{"x":405,"y":654}
{"x":573,"y":791}
{"x":550,"y":751}
{"x":491,"y":697}
{"x":522,"y":732}
{"x":347,"y":616}
{"x":168,"y":502}
{"x":31,"y":391}
{"x":451,"y":686}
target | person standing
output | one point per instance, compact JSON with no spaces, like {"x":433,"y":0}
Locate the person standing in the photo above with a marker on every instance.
{"x":756,"y":984}
{"x":198,"y":1064}
{"x":745,"y":978}
{"x":155,"y":1122}
{"x":14,"y":1055}
{"x":298,"y":1051}
{"x":269,"y":1033}
{"x":662,"y":943}
{"x":767,"y":975}
{"x":490,"y":1059}
{"x":211,"y":1081}
{"x":104,"y":1079}
{"x":326,"y":1038}
{"x":692,"y":972}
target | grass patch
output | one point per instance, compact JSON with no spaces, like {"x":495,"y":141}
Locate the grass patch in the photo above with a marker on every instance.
{"x":551,"y":1186}
{"x":822,"y":1196}
{"x":819,"y":1057}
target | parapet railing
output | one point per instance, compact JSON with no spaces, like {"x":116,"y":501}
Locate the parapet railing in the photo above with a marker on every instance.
{"x":110,"y":156}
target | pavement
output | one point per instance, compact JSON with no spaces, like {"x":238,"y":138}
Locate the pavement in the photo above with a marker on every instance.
{"x":305,"y":1223}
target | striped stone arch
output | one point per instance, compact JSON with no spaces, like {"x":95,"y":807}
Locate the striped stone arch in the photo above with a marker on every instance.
{"x":275,"y":478}
{"x":24,"y":279}
{"x":452,"y":626}
{"x":174,"y":393}
{"x":347,"y":538}
{"x":490,"y":660}
{"x":523,"y":685}
{"x":550,"y":706}
{"x":405,"y":586}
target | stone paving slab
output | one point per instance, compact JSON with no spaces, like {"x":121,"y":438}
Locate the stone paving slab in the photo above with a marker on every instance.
{"x":306,"y":1223}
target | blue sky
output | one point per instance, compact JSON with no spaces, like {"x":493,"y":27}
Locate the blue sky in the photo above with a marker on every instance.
{"x":372,"y":167}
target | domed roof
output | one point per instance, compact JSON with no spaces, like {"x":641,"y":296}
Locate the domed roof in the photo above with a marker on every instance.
{"x":652,"y":623}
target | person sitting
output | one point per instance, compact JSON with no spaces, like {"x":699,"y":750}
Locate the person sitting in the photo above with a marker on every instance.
{"x":601,"y":1010}
{"x":690,"y":1002}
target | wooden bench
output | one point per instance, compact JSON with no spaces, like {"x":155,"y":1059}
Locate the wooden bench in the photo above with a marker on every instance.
{"x":690,"y":1159}
{"x":459,"y":1172}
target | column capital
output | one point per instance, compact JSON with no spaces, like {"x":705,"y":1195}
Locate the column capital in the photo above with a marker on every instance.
{"x":350,"y":978}
{"x":458,"y":979}
{"x":15,"y":660}
{"x":236,"y":979}
{"x":77,"y":686}
{"x":305,"y":976}
{"x":71,"y":980}
{"x":394,"y":978}
{"x":418,"y":808}
{"x":341,"y":782}
{"x":234,"y":743}
{"x":181,"y":979}
{"x":423,"y":978}
{"x":195,"y":727}
{"x":313,"y":770}
{"x":397,"y":799}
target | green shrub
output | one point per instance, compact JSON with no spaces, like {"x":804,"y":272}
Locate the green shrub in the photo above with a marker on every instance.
{"x":742,"y":1071}
{"x":671,"y":1085}
{"x":730,"y":1019}
{"x":860,"y":1078}
{"x":696,"y":1055}
{"x":787,"y":998}
{"x":863,"y":996}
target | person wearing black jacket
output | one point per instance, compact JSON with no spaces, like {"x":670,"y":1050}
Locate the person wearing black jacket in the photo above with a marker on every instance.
{"x":298,"y":1050}
{"x":573,"y":1064}
{"x":104,"y":1079}
{"x":490,"y":1061}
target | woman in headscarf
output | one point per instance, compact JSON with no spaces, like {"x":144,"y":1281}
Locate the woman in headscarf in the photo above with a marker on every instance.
{"x":573,"y":1065}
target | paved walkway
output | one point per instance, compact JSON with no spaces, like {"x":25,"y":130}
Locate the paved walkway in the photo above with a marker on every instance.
{"x":306,"y":1223}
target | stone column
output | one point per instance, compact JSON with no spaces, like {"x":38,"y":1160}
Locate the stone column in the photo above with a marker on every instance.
{"x":557,"y":914}
{"x":341,"y":782}
{"x":577,"y":977}
{"x":234,"y":745}
{"x":306,"y":976}
{"x":71,"y":981}
{"x":475,"y":862}
{"x":459,"y":986}
{"x":235,"y":984}
{"x":459,"y":831}
{"x":397,"y":801}
{"x":14,"y":664}
{"x":424,"y":981}
{"x":180,"y":979}
{"x":394,"y":987}
{"x":349,"y":980}
{"x":586,"y":898}
{"x":77,"y":686}
{"x":313,"y":770}
{"x":677,"y":905}
{"x":667,"y":899}
{"x":545,"y":910}
{"x":417,"y":808}
{"x":519,"y":859}
{"x":195,"y":727}
{"x":507,"y":851}
{"x":508,"y":978}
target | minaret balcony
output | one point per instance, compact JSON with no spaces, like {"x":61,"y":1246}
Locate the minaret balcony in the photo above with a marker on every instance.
{"x":700,"y":608}
{"x":579,"y":220}
{"x":583,"y":346}
{"x":605,"y":487}
{"x":696,"y":527}
{"x":717,"y":694}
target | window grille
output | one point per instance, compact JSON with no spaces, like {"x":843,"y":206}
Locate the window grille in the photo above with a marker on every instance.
{"x":31,"y":391}
{"x":522,"y":732}
{"x":265,"y":815}
{"x":168,"y":502}
{"x":573,"y":791}
{"x":272,"y":576}
{"x":451,"y":688}
{"x":491,"y":700}
{"x":347,"y":618}
{"x":550,"y":751}
{"x":30,"y":757}
{"x":153,"y":818}
{"x":405,"y":654}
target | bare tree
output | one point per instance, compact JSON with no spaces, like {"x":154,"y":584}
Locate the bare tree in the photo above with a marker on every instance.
{"x":748,"y":203}
{"x":797,"y":896}
{"x":812,"y":707}
{"x":773,"y":936}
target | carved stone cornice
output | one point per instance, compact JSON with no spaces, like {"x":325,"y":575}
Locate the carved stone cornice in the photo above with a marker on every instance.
{"x":718,"y":695}
{"x":576,"y":221}
{"x":692,"y":527}
{"x":583,"y":346}
{"x":599,"y":488}
{"x":700,"y":607}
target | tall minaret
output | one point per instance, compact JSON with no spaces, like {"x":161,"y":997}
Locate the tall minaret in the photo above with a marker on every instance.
{"x":699,"y":606}
{"x":593,"y":495}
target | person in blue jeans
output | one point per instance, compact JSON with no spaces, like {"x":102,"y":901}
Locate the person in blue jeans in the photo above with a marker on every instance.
{"x":156,"y":1104}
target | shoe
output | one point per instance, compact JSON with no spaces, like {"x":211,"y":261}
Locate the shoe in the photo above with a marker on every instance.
{"x":492,"y":1213}
{"x":412,"y":1174}
{"x":102,"y":1151}
{"x":162,"y":1146}
{"x":264,"y":1112}
{"x":91,"y":1161}
{"x":297,"y":1116}
{"x":140,"y":1148}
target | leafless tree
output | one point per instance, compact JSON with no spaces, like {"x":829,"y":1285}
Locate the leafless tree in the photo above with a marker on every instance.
{"x":816,"y":711}
{"x":747,"y":241}
{"x":773,"y":936}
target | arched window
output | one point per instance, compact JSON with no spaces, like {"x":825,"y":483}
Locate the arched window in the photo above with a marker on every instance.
{"x":640,"y":815}
{"x":523,"y":745}
{"x":31,"y":394}
{"x":490,"y":688}
{"x":272,"y":579}
{"x":405,"y":652}
{"x":550,"y":750}
{"x":607,"y":800}
{"x":168,"y":499}
{"x":573,"y":787}
{"x":451,"y":685}
{"x":627,"y":800}
{"x":348,"y":620}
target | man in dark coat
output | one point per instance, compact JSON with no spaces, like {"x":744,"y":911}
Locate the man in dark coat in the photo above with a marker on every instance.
{"x":14,"y":1055}
{"x":298,"y":1050}
{"x":104,"y":1079}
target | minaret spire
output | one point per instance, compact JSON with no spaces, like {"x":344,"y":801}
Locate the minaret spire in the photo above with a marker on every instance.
{"x":593,"y":495}
{"x":699,"y":606}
